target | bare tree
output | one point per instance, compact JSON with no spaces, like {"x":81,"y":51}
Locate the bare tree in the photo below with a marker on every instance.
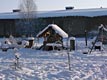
{"x":28,"y":16}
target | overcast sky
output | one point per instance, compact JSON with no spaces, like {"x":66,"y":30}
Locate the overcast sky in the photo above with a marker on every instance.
{"x":44,"y":5}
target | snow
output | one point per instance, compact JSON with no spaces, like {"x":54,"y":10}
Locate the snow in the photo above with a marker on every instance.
{"x":102,"y":26}
{"x":60,"y":13}
{"x":72,"y":38}
{"x":53,"y":44}
{"x":75,"y":12}
{"x":31,"y":38}
{"x":57,"y":30}
{"x":9,"y":15}
{"x":53,"y":65}
{"x":98,"y":44}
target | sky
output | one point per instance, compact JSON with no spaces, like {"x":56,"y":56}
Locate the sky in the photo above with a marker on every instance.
{"x":48,"y":5}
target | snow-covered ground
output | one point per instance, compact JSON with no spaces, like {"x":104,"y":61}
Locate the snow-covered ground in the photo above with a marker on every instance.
{"x":53,"y":65}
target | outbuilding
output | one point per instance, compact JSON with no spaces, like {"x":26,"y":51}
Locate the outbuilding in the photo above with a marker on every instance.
{"x":52,"y":35}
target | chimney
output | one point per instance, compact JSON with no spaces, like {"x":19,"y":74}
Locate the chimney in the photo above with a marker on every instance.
{"x":69,"y":8}
{"x":16,"y":10}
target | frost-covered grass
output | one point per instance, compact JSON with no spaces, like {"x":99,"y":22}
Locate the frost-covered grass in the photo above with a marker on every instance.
{"x":53,"y":65}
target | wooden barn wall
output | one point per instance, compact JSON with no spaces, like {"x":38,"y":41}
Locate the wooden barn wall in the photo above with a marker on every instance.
{"x":74,"y":26}
{"x":97,"y":21}
{"x":23,"y":29}
{"x":7,"y":27}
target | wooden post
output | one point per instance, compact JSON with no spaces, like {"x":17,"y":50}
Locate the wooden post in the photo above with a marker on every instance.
{"x":72,"y":44}
{"x":69,"y":60}
{"x":86,"y":37}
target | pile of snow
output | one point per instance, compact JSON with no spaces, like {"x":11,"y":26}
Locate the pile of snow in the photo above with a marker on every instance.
{"x":25,"y":43}
{"x":11,"y":42}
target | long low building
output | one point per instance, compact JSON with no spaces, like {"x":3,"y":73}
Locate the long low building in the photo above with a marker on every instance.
{"x":73,"y":21}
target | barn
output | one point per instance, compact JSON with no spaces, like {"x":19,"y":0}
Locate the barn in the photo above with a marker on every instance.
{"x":72,"y":21}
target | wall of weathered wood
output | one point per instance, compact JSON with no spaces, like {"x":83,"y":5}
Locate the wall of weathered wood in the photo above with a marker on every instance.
{"x":73,"y":25}
{"x":7,"y":27}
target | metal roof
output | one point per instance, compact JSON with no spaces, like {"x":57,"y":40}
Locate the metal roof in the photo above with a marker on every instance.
{"x":60,"y":13}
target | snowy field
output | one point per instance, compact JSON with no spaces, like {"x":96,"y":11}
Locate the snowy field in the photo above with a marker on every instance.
{"x":53,"y":65}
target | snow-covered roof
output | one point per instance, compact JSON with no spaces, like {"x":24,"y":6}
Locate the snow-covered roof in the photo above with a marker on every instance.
{"x":57,"y":30}
{"x":31,"y":38}
{"x":60,"y":13}
{"x":76,"y":12}
{"x":11,"y":15}
{"x":53,"y":44}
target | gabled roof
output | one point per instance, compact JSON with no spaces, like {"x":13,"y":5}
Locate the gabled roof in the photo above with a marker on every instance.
{"x":60,"y":13}
{"x":56,"y":28}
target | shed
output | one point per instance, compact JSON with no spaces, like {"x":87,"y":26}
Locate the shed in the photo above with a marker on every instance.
{"x":52,"y":34}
